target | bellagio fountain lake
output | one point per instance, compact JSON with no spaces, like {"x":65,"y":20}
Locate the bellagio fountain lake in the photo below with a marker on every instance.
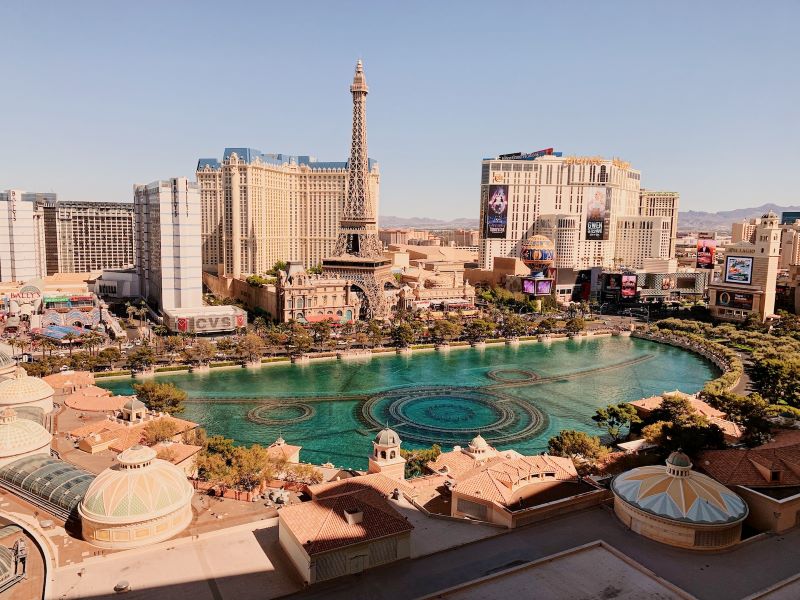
{"x":515,"y":396}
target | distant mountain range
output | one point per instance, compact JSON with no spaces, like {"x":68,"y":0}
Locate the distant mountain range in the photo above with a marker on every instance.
{"x":690,"y":220}
{"x":425,"y":223}
{"x":694,"y":220}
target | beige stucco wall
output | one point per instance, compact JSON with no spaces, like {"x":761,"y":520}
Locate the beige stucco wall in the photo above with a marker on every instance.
{"x":671,"y":532}
{"x":133,"y":535}
{"x":768,"y":514}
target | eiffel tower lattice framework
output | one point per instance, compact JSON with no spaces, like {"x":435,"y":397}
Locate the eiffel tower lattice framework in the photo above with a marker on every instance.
{"x":359,"y":253}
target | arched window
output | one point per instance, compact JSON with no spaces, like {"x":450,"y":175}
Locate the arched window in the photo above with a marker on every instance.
{"x":376,"y":453}
{"x":392,"y":454}
{"x":383,"y":453}
{"x":603,"y":175}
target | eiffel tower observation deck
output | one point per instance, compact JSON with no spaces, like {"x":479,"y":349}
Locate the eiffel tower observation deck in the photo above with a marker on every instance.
{"x":359,"y":253}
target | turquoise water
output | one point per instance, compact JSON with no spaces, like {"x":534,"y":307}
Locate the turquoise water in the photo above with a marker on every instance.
{"x":531,"y":392}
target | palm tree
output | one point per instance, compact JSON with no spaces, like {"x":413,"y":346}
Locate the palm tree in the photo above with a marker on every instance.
{"x":69,"y":338}
{"x":131,"y":310}
{"x":142,"y":313}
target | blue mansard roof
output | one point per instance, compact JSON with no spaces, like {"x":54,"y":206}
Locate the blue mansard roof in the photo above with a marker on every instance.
{"x":250,"y":154}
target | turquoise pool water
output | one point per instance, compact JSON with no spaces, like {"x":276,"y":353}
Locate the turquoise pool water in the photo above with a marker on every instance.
{"x":516,"y":397}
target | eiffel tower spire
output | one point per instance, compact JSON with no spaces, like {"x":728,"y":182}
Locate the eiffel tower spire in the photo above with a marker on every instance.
{"x":358,"y":227}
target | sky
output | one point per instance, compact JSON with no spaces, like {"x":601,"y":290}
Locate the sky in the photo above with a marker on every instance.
{"x":702,"y":97}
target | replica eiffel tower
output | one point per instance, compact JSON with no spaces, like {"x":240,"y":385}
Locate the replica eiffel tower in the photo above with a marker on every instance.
{"x":359,"y":252}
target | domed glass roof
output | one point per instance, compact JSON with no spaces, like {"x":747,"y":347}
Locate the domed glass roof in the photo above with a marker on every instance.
{"x":23,"y":388}
{"x":691,"y":498}
{"x":139,"y":487}
{"x":18,"y":436}
{"x":6,"y":360}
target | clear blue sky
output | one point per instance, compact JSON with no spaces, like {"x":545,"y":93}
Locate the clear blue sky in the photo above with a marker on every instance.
{"x":702,"y":97}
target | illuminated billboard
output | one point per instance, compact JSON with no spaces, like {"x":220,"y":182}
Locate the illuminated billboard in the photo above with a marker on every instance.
{"x":734,"y":300}
{"x":613,"y":281}
{"x":706,"y":253}
{"x":628,"y":286}
{"x":537,"y":287}
{"x":739,"y":269}
{"x":668,"y":283}
{"x":598,"y":212}
{"x":497,"y":211}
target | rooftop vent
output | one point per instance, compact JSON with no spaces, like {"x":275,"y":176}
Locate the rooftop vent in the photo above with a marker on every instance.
{"x":353,"y":515}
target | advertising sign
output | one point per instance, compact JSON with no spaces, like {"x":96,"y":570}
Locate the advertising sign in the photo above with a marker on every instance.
{"x":735,"y":300}
{"x":628,"y":286}
{"x":668,"y":283}
{"x":706,"y":253}
{"x":497,"y":211}
{"x":613,"y":281}
{"x":598,"y":212}
{"x":527,"y":155}
{"x":739,"y":269}
{"x":537,"y":287}
{"x":544,"y":287}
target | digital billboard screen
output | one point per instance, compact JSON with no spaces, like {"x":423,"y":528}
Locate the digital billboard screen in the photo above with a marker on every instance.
{"x":598,"y":212}
{"x":735,"y":300}
{"x":739,"y":269}
{"x":537,"y":287}
{"x":706,"y":253}
{"x":668,"y":283}
{"x":497,"y":211}
{"x":613,"y":281}
{"x":628,"y":286}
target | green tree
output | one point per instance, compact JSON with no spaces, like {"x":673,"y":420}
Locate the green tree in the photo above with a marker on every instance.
{"x":615,"y":417}
{"x":546,"y":325}
{"x":251,"y":346}
{"x":445,"y":330}
{"x":278,"y":266}
{"x":159,"y":430}
{"x":299,"y":339}
{"x":402,"y":334}
{"x":576,"y":445}
{"x":161,"y":397}
{"x":141,"y":358}
{"x":478,"y":330}
{"x":201,"y":352}
{"x":417,"y":460}
{"x":321,"y":331}
{"x":513,"y":325}
{"x":251,"y":467}
{"x":575,"y":325}
{"x":375,"y":333}
{"x":226,"y":346}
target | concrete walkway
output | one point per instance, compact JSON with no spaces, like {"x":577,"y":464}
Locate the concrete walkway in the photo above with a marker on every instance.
{"x":725,"y":576}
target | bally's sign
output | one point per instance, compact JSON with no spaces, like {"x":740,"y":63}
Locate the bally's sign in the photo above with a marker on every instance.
{"x":210,"y":323}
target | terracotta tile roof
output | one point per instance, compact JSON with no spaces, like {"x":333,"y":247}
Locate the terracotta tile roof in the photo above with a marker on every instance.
{"x":179,"y":451}
{"x":753,"y":467}
{"x":284,"y":451}
{"x":377,"y":482}
{"x":77,"y":378}
{"x":321,"y":526}
{"x":498,"y":479}
{"x":705,"y":409}
{"x":123,"y":436}
{"x":456,"y":461}
{"x":95,"y":399}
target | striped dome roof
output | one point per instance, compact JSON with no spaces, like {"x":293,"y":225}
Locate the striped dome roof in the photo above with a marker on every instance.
{"x":6,"y":360}
{"x":139,"y":487}
{"x":19,"y":436}
{"x":23,"y":388}
{"x":689,"y":496}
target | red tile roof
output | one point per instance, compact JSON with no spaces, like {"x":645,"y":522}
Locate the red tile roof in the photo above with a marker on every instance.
{"x":498,"y":479}
{"x":321,"y":525}
{"x":377,"y":482}
{"x":753,"y":467}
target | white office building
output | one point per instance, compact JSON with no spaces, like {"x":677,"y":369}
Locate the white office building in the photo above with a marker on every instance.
{"x":168,"y":256}
{"x":20,"y":258}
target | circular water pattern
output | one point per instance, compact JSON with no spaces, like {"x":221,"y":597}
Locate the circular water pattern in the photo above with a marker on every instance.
{"x":281,"y":413}
{"x":511,"y":375}
{"x":453,"y":414}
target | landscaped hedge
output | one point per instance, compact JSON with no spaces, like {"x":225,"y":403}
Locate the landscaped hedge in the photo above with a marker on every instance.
{"x":225,"y":363}
{"x":273,"y":359}
{"x":111,"y":374}
{"x":171,"y":368}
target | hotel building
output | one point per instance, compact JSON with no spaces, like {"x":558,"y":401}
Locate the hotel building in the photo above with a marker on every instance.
{"x":749,"y":274}
{"x":258,"y":209}
{"x":20,"y":251}
{"x":592,"y":208}
{"x":168,"y":261}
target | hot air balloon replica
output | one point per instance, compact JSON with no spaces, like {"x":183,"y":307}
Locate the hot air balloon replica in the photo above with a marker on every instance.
{"x":538,"y":253}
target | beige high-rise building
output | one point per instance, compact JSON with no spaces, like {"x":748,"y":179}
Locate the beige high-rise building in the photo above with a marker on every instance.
{"x":258,"y":209}
{"x":749,"y":274}
{"x":662,"y":204}
{"x":591,"y":207}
